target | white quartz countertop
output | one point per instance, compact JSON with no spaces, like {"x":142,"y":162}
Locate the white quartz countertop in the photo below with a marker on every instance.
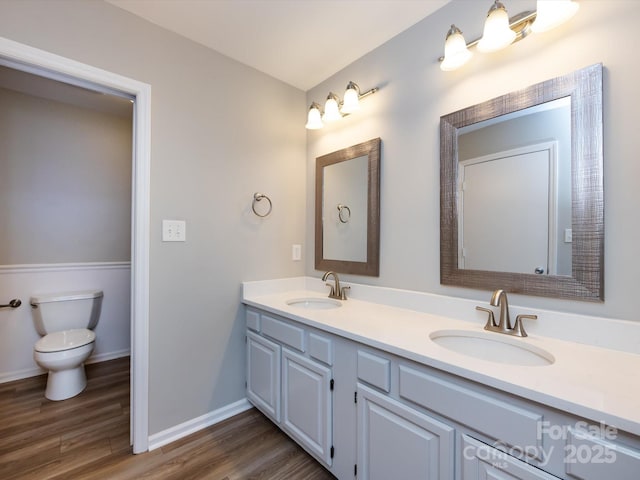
{"x":597,"y":383}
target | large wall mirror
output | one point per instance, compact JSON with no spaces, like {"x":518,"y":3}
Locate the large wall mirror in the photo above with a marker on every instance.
{"x":348,"y":210}
{"x":521,"y":191}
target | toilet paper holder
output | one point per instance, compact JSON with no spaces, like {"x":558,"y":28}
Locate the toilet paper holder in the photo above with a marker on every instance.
{"x":15,"y":303}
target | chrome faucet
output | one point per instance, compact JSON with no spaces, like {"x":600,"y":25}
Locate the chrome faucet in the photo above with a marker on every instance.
{"x":499,"y":299}
{"x":337,"y":292}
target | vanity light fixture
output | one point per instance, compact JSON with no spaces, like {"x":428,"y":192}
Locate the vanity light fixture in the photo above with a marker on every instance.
{"x":501,"y":31}
{"x":334,"y":109}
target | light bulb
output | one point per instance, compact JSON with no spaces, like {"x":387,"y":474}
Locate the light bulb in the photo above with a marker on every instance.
{"x":551,"y":13}
{"x":331,"y":109}
{"x":497,"y":34}
{"x":351,"y":101}
{"x":314,"y":122}
{"x":456,"y":52}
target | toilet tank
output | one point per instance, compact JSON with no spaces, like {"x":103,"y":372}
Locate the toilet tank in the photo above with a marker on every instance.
{"x":55,"y":312}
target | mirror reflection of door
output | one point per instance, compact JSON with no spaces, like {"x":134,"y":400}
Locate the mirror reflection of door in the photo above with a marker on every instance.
{"x":508,"y":203}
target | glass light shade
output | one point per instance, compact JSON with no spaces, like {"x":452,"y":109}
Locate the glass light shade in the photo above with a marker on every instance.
{"x":551,"y":13}
{"x":351,"y":101}
{"x":314,"y":122}
{"x":497,"y":34}
{"x":456,"y":52}
{"x":331,"y":109}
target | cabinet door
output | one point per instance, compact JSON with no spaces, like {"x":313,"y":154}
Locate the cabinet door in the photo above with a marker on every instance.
{"x":263,"y":375}
{"x":306,"y":404}
{"x":588,"y":457}
{"x":395,"y":441}
{"x":484,"y":462}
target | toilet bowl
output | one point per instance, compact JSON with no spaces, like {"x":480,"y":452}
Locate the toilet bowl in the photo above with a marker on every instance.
{"x":63,"y":354}
{"x":65,"y":321}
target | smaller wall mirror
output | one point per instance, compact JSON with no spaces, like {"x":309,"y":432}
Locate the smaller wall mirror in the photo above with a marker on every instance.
{"x":521,"y":191}
{"x":347,"y":226}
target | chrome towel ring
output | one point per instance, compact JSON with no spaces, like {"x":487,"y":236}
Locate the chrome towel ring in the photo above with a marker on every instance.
{"x":344,"y":213}
{"x":257,"y":197}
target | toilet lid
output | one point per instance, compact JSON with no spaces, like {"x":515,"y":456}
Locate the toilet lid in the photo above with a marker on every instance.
{"x":65,"y":340}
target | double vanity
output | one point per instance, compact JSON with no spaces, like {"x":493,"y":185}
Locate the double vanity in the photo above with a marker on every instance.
{"x":399,"y":384}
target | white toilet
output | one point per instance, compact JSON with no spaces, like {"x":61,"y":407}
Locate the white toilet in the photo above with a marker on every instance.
{"x":66,"y":321}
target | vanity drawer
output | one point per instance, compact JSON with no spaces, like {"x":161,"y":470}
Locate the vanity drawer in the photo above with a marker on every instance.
{"x":495,"y":464}
{"x":588,"y":457}
{"x":374,"y":370}
{"x":321,"y":349}
{"x":253,"y":320}
{"x":506,"y":423}
{"x":283,"y":332}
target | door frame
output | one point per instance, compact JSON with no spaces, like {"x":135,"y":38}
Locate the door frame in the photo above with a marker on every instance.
{"x":45,"y":64}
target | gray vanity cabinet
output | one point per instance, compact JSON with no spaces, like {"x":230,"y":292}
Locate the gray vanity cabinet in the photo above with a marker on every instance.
{"x":395,"y":441}
{"x":393,"y":417}
{"x":289,"y":379}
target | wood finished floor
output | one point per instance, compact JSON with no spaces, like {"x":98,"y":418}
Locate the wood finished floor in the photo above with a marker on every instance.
{"x":87,"y":437}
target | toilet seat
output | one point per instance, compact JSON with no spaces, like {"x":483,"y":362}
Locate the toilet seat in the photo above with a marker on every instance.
{"x":65,"y":340}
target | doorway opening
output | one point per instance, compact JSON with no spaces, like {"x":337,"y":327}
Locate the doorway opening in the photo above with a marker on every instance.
{"x":44,"y":64}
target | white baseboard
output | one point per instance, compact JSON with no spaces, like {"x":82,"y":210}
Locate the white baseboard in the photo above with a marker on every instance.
{"x":191,"y":426}
{"x":20,"y":374}
{"x":103,"y":357}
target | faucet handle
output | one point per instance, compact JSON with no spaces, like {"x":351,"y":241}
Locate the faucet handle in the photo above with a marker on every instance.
{"x":518,"y":329}
{"x":332,"y":292}
{"x":491,"y":321}
{"x":343,"y":292}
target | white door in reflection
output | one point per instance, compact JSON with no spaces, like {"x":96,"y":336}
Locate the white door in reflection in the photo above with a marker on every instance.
{"x":507,"y":203}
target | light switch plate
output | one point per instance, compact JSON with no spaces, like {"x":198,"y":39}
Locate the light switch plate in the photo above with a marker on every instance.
{"x":568,"y":235}
{"x":296,"y":253}
{"x":174,"y":231}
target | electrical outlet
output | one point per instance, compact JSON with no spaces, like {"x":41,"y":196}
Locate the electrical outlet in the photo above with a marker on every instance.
{"x":174,"y":231}
{"x":296,"y":253}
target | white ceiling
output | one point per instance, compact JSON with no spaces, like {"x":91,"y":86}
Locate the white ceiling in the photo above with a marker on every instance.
{"x":301,"y":42}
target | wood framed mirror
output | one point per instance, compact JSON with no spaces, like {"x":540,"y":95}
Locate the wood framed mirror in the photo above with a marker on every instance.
{"x":488,"y":202}
{"x":347,"y":223}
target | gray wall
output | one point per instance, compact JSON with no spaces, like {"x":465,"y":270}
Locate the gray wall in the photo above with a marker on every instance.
{"x":65,"y":187}
{"x":220,"y":131}
{"x":406,"y":112}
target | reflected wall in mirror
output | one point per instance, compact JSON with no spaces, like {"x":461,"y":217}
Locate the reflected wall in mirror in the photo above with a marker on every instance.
{"x":344,"y":207}
{"x":521,"y":191}
{"x":347,"y":223}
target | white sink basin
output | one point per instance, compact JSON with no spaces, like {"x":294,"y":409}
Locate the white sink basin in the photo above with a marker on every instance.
{"x":314,"y":303}
{"x":494,"y":347}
